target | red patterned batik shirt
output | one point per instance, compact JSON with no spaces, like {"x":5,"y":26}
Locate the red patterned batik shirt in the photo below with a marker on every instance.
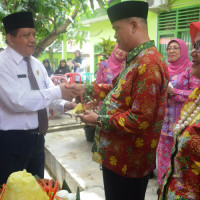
{"x":132,"y":113}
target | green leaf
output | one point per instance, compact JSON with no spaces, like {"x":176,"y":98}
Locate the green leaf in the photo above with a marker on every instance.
{"x":36,"y":177}
{"x":108,"y":46}
{"x":66,"y":187}
{"x":78,"y":194}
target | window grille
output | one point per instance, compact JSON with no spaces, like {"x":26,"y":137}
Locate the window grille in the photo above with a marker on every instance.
{"x":175,"y":24}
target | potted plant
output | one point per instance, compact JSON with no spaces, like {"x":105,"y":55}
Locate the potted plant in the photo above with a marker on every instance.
{"x":108,"y":46}
{"x":89,"y":132}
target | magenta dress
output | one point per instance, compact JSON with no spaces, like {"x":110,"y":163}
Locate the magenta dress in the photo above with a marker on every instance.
{"x":104,"y":73}
{"x":109,"y":69}
{"x":183,"y":84}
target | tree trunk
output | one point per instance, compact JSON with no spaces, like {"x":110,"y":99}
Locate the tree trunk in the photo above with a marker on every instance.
{"x":47,"y":41}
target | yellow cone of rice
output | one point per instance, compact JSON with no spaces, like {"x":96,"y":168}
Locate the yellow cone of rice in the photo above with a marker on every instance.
{"x":23,"y":186}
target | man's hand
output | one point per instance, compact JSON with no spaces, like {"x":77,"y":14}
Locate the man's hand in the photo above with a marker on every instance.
{"x":69,"y":93}
{"x":80,"y":88}
{"x":69,"y":106}
{"x":88,"y":117}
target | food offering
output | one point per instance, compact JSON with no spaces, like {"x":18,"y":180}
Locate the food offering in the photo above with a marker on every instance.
{"x":80,"y":108}
{"x":23,"y":186}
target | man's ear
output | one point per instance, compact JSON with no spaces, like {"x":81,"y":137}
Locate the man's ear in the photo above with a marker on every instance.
{"x":133,"y":24}
{"x":9,"y":39}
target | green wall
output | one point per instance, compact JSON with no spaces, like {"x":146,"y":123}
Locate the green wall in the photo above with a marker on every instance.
{"x":99,"y":30}
{"x":182,"y":3}
{"x":152,"y":25}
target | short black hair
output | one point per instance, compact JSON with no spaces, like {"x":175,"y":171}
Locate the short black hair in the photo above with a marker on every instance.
{"x":13,"y":33}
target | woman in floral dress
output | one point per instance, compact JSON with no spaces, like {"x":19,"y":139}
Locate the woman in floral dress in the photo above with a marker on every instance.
{"x":108,"y":69}
{"x":181,"y":83}
{"x":182,"y":179}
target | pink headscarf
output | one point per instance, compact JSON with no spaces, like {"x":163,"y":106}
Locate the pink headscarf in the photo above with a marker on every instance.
{"x":183,"y":62}
{"x":114,"y":63}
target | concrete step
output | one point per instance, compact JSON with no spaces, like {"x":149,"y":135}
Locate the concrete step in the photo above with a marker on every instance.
{"x":68,"y":156}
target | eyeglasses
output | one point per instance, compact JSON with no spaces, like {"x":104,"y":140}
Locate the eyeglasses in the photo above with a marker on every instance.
{"x":196,"y":46}
{"x":174,"y":48}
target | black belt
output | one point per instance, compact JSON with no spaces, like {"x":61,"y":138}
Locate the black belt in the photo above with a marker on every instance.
{"x":32,"y":131}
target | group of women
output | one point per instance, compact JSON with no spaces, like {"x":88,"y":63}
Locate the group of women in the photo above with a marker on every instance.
{"x":178,"y":152}
{"x":76,"y":65}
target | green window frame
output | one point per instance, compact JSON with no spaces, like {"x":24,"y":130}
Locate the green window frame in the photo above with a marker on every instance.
{"x":175,"y":24}
{"x":98,"y":49}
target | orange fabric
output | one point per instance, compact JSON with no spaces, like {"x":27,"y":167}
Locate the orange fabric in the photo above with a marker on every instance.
{"x":194,"y":29}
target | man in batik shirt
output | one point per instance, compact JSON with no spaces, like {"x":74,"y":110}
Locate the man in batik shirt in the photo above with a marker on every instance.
{"x":133,"y":108}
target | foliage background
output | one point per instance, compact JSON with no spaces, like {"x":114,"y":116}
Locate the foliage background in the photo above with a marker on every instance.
{"x":53,"y":18}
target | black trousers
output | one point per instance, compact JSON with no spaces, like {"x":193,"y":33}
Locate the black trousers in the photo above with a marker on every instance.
{"x":21,"y":149}
{"x":121,"y":188}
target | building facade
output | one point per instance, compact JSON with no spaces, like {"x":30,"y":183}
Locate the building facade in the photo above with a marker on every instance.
{"x":167,"y":19}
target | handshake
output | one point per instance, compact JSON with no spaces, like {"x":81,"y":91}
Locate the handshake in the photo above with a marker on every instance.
{"x":71,"y":91}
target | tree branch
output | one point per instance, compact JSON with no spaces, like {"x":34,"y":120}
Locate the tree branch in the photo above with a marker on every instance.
{"x":54,"y":22}
{"x":47,"y":41}
{"x":14,"y":5}
{"x":6,"y":4}
{"x":43,"y":17}
{"x":68,"y":21}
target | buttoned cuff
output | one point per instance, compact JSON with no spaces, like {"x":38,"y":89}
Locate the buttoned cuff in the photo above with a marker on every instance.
{"x":105,"y":122}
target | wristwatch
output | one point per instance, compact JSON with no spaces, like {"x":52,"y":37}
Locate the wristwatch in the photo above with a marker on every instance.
{"x":99,"y":122}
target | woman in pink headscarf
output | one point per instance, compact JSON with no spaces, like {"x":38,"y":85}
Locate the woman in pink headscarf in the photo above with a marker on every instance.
{"x":181,"y":83}
{"x":110,"y":68}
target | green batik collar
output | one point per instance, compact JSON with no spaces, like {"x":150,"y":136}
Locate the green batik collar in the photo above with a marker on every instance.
{"x":139,"y":48}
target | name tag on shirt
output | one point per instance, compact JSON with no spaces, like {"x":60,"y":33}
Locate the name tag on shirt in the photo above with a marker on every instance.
{"x":44,"y":85}
{"x":21,"y":76}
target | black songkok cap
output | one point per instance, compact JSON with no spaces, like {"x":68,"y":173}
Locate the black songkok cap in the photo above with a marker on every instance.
{"x":18,"y":20}
{"x":128,"y":9}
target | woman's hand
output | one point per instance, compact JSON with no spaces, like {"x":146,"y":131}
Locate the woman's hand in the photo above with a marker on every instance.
{"x":170,"y":90}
